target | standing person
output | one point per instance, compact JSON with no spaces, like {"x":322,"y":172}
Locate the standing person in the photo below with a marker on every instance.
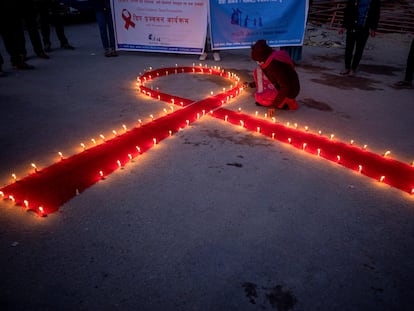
{"x":106,"y":26}
{"x":51,"y":12}
{"x":409,"y":70}
{"x":30,"y":14}
{"x":276,"y":79}
{"x":208,"y":43}
{"x":361,"y":19}
{"x":11,"y":30}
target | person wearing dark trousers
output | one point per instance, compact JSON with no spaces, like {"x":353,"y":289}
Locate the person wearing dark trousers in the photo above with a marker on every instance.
{"x":11,"y":30}
{"x":50,"y":13}
{"x":409,"y":70}
{"x":106,"y":26}
{"x":361,"y":19}
{"x":30,"y":14}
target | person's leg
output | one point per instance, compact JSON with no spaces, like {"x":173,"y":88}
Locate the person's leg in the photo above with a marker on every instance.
{"x":30,"y":18}
{"x":100,"y":20}
{"x":349,"y":50}
{"x":45,"y":25}
{"x":110,"y":27}
{"x":409,"y":71}
{"x":361,"y":40}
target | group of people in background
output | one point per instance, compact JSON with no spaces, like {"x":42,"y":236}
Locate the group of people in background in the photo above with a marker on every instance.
{"x":16,"y":16}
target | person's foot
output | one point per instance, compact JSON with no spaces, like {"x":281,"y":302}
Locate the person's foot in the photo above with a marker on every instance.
{"x":404,"y":84}
{"x":48,"y":47}
{"x":108,"y":53}
{"x":113,"y":53}
{"x":42,"y":55}
{"x":203,"y":56}
{"x":345,"y":72}
{"x":23,"y":66}
{"x":352,"y":73}
{"x":67,"y":46}
{"x":216,"y":56}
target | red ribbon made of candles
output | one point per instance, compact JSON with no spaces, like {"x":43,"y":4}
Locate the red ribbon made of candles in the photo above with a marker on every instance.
{"x":46,"y":190}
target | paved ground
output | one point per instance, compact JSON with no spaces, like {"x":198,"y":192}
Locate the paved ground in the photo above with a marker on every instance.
{"x":214,"y":218}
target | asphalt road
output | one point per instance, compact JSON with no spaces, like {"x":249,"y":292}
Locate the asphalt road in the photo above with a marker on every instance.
{"x":215,"y":217}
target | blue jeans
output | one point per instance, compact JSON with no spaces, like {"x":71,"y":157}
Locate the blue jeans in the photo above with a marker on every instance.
{"x":106,"y":29}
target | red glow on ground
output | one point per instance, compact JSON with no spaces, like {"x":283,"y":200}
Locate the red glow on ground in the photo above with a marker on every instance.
{"x":44,"y":191}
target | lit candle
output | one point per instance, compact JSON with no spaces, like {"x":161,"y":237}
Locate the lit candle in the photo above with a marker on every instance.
{"x":124,"y":126}
{"x":2,"y":194}
{"x":296,"y":125}
{"x":332,"y":136}
{"x":139,"y":122}
{"x":290,"y":140}
{"x":273,"y":135}
{"x":41,"y":210}
{"x":382,"y":178}
{"x":152,"y":117}
{"x":226,"y":118}
{"x":306,"y":128}
{"x":119,"y":163}
{"x":365,"y":147}
{"x":35,"y":168}
{"x":170,"y":132}
{"x":154,"y":140}
{"x":12,"y":198}
{"x":360,"y":168}
{"x":351,"y":142}
{"x":26,"y":203}
{"x":83,"y":146}
{"x":258,"y":129}
{"x":14,"y":177}
{"x":265,"y":115}
{"x":304,"y":146}
{"x":319,"y":152}
{"x":187,"y":121}
{"x":338,"y":158}
{"x":256,"y":113}
{"x":138,"y":149}
{"x":60,"y":155}
{"x":387,"y":153}
{"x":101,"y":174}
{"x":93,"y":141}
{"x":320,"y":132}
{"x":241,"y":123}
{"x":130,"y":156}
{"x":102,"y":137}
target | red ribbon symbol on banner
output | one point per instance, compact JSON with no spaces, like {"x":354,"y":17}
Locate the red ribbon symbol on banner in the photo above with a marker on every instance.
{"x":127,"y":19}
{"x":44,"y":191}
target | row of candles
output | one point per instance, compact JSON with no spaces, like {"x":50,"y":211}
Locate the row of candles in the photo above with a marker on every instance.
{"x":401,"y":175}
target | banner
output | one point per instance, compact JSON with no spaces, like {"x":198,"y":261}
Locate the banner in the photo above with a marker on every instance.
{"x":170,"y":26}
{"x":238,"y":24}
